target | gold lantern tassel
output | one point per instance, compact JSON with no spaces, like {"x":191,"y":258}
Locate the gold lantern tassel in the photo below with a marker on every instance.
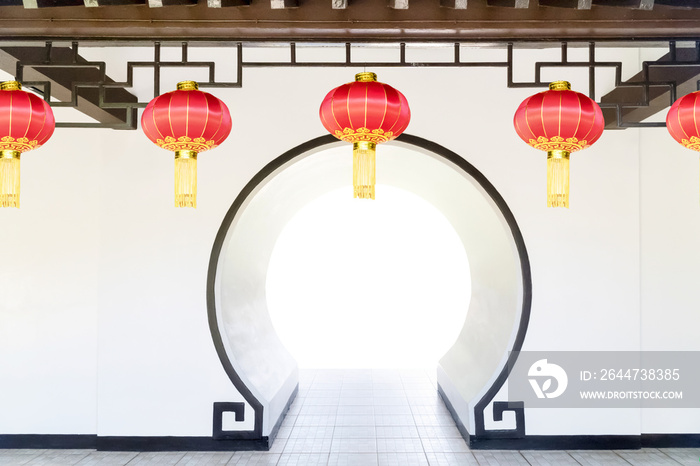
{"x":364,"y":169}
{"x":558,"y":178}
{"x":9,"y":178}
{"x":185,"y":178}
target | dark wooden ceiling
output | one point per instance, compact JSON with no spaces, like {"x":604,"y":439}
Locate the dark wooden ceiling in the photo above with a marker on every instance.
{"x":351,"y":19}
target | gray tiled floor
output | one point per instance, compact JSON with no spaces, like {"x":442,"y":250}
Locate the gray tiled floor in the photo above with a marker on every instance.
{"x":362,"y":418}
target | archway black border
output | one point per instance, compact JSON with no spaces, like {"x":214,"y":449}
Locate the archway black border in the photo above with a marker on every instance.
{"x":448,"y":155}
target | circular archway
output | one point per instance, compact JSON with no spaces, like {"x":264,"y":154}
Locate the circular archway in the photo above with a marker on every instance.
{"x":470,"y":373}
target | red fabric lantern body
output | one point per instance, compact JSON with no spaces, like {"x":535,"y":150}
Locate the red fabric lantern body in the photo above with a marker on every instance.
{"x":559,"y":121}
{"x":186,"y":121}
{"x":26,"y":122}
{"x":681,"y":121}
{"x":365,"y":113}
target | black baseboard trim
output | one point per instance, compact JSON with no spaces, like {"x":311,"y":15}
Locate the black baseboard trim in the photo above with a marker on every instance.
{"x":530,"y":442}
{"x":93,"y":442}
{"x":671,"y":440}
{"x":180,"y":444}
{"x":558,"y":442}
{"x":48,"y":441}
{"x":587,"y":442}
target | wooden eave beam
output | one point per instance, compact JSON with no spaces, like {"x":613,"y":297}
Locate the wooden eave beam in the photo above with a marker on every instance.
{"x":577,"y":4}
{"x":637,"y":4}
{"x":454,"y":4}
{"x":509,"y":3}
{"x":398,"y":4}
{"x":359,"y":20}
{"x":282,"y":4}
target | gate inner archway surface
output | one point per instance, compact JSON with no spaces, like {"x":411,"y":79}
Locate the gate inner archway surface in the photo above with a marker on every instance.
{"x":472,"y":371}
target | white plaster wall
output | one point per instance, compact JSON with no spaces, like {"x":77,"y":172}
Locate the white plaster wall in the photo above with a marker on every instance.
{"x":103,"y":325}
{"x":49,"y":262}
{"x":670,"y":229}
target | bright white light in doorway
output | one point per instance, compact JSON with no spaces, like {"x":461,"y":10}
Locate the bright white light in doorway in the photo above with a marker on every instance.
{"x":368,"y":284}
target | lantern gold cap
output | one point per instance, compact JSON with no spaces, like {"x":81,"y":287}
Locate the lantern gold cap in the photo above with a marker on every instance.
{"x":10,"y":154}
{"x":10,"y":86}
{"x":560,"y":86}
{"x":187,"y":86}
{"x":365,"y":77}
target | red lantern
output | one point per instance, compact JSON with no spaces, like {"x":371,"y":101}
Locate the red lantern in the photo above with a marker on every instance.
{"x":681,"y":121}
{"x":365,"y":113}
{"x":186,"y":121}
{"x":559,"y":121}
{"x":26,"y":122}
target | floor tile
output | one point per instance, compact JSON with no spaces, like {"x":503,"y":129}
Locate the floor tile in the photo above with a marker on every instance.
{"x":390,"y":393}
{"x":598,"y":458}
{"x":394,"y":420}
{"x":445,"y":445}
{"x":355,"y":432}
{"x":355,"y":393}
{"x":284,"y":432}
{"x":683,"y":455}
{"x":322,"y":401}
{"x":295,"y":407}
{"x":395,"y":409}
{"x":324,"y":392}
{"x":427,"y":410}
{"x":646,"y":457}
{"x":433,"y":420}
{"x":354,"y":445}
{"x":289,"y":420}
{"x":323,"y":410}
{"x":353,"y":459}
{"x":499,"y":458}
{"x":354,"y":410}
{"x":549,"y":458}
{"x":278,"y":445}
{"x":18,"y":457}
{"x":427,"y":401}
{"x":245,"y":458}
{"x":314,"y":420}
{"x":312,"y":432}
{"x":396,"y":385}
{"x":308,"y":445}
{"x":151,"y":458}
{"x":58,"y":457}
{"x":205,"y":458}
{"x":402,"y":459}
{"x":421,"y":393}
{"x":355,"y":420}
{"x":356,"y":401}
{"x":389,"y":401}
{"x":108,"y":458}
{"x":399,"y":445}
{"x":328,"y":385}
{"x":397,"y":432}
{"x":350,"y":386}
{"x":451,"y":459}
{"x":439,"y":431}
{"x":303,"y":459}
